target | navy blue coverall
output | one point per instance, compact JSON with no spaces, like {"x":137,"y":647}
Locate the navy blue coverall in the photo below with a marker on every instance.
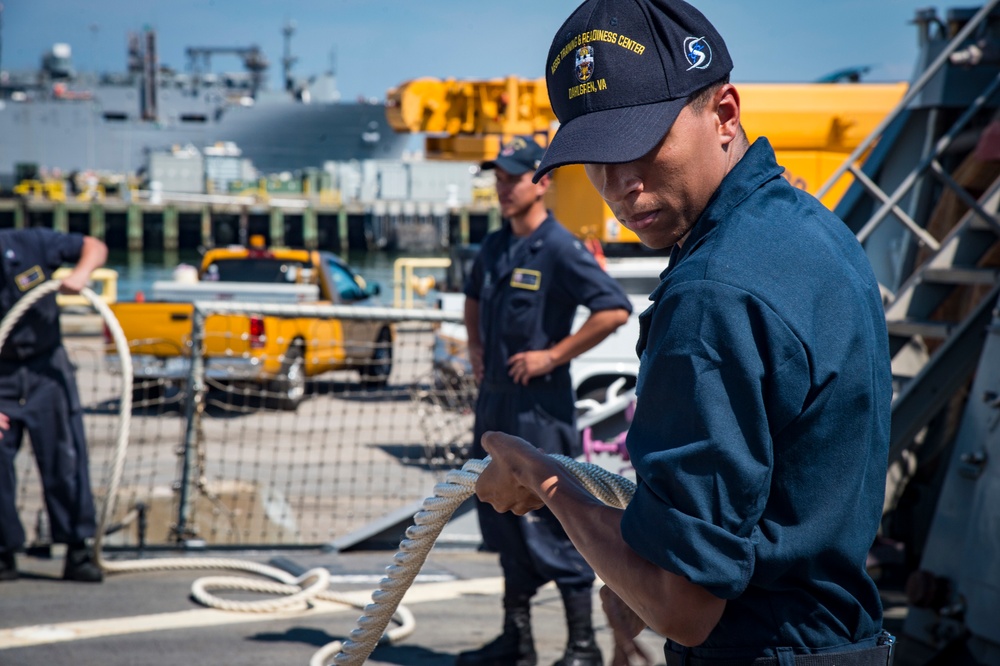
{"x":38,"y":392}
{"x":761,"y":431}
{"x":527,"y":298}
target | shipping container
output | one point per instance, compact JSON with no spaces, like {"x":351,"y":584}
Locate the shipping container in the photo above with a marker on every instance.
{"x":449,"y":183}
{"x":181,"y":172}
{"x":220,"y":170}
{"x":393,"y":181}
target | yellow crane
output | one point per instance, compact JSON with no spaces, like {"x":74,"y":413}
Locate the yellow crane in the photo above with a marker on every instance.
{"x":813,"y":127}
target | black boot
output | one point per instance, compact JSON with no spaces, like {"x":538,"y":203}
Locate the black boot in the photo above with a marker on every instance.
{"x":514,"y":647}
{"x":8,"y":565}
{"x":80,"y":565}
{"x":581,"y":648}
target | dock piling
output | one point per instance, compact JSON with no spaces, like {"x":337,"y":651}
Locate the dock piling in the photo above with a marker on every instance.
{"x":277,"y":226}
{"x":171,"y":228}
{"x":134,"y":230}
{"x":97,"y":224}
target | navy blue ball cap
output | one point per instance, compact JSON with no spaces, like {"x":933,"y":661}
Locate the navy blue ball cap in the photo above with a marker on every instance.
{"x":519,"y":155}
{"x":620,"y":71}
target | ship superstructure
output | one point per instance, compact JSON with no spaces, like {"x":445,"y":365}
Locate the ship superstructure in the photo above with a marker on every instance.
{"x":56,"y":118}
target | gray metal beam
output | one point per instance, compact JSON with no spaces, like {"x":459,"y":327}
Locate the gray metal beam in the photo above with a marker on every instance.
{"x":948,"y":369}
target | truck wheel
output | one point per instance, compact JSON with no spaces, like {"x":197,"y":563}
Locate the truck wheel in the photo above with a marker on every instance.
{"x":376,"y":373}
{"x":290,"y":389}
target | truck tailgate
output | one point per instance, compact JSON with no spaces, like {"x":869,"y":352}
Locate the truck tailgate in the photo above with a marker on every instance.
{"x":164,"y":329}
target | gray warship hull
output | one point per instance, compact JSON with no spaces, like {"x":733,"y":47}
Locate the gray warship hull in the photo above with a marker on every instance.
{"x":78,"y":135}
{"x":55,"y":119}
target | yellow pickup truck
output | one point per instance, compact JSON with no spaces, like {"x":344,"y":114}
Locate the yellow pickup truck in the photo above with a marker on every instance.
{"x":277,"y":353}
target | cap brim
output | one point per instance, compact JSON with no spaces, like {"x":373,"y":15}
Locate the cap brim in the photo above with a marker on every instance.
{"x":612,"y":136}
{"x":513,"y":167}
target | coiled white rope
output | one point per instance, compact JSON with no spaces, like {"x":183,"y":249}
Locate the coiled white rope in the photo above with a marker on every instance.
{"x":370,"y":631}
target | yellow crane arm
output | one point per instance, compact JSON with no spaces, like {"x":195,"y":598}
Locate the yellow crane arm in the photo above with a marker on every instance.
{"x":812,"y":126}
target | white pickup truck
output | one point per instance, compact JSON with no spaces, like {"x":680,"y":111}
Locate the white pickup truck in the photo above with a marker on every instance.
{"x":595,"y":370}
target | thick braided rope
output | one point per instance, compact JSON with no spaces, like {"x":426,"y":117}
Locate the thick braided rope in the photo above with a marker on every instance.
{"x":460,"y":484}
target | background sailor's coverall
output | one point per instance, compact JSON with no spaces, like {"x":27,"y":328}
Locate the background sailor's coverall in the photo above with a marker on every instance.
{"x":528,"y":291}
{"x":38,"y":392}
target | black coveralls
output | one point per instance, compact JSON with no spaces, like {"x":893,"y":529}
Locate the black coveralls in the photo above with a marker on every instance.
{"x":38,"y":392}
{"x":527,"y":301}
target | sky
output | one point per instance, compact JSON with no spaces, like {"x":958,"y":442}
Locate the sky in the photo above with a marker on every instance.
{"x":374,"y":45}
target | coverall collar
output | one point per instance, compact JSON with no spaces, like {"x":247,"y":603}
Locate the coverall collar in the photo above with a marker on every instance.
{"x":530,"y":244}
{"x":757,"y":167}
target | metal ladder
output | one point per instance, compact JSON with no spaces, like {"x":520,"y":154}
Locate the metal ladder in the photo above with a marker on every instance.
{"x":924,"y":383}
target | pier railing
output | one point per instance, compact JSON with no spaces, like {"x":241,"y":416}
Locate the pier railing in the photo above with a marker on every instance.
{"x":225,"y":464}
{"x":219,"y":462}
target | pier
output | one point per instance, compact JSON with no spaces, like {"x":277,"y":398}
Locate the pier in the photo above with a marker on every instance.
{"x":208,"y":221}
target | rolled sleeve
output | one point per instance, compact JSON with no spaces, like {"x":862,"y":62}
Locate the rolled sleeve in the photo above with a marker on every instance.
{"x":474,"y":281}
{"x":700,"y":438}
{"x":59,"y":248}
{"x":703,"y":553}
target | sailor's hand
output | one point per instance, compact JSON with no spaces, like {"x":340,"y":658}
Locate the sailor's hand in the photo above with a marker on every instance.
{"x":524,"y":365}
{"x":74,"y":283}
{"x":625,"y":626}
{"x":508,"y":482}
{"x":4,"y":424}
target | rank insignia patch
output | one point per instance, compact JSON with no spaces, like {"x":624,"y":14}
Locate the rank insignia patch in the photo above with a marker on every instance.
{"x":29,"y":278}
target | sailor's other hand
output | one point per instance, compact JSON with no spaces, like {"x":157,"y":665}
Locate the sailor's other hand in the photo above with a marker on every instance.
{"x":523,"y":366}
{"x":4,"y":424}
{"x":506,"y":481}
{"x":625,"y":626}
{"x":74,"y":282}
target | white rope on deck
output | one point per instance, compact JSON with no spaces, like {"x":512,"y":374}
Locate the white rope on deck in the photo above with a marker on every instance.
{"x":371,"y":631}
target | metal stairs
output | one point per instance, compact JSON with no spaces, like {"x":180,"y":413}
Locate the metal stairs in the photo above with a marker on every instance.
{"x":925,"y":382}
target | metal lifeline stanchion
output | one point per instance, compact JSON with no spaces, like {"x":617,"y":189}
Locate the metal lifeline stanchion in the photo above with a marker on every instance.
{"x":194,"y":406}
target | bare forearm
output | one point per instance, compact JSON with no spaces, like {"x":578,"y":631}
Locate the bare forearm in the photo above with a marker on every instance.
{"x":598,"y":326}
{"x":669,"y":604}
{"x":471,"y":317}
{"x":93,"y":255}
{"x":474,"y":344}
{"x":521,"y":478}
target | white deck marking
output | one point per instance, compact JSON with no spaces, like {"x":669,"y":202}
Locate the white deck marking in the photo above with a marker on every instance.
{"x":41,"y":634}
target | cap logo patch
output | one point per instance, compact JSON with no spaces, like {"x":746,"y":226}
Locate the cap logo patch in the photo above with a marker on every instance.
{"x":512,"y":146}
{"x":698,"y":53}
{"x":584,"y":63}
{"x":585,"y":38}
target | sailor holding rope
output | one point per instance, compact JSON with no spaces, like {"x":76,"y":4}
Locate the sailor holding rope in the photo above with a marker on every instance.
{"x":38,"y":394}
{"x":761,"y":428}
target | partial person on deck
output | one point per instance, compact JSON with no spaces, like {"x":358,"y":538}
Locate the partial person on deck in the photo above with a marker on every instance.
{"x":521,"y":297}
{"x":38,"y":394}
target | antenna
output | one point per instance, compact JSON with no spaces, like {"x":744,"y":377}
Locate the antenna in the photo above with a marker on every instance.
{"x":288,"y":60}
{"x":94,"y":30}
{"x":1,"y":36}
